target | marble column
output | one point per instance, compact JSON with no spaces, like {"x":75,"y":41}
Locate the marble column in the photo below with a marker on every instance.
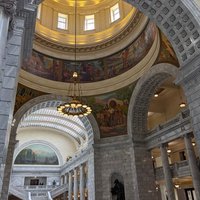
{"x":66,"y":178}
{"x":64,"y":195}
{"x":70,"y":186}
{"x":62,"y":179}
{"x":82,"y":183}
{"x":75,"y":184}
{"x":192,"y":164}
{"x":167,"y":173}
{"x":65,"y":182}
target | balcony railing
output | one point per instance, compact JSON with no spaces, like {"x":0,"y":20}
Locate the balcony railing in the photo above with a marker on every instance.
{"x":170,"y":130}
{"x":178,"y":169}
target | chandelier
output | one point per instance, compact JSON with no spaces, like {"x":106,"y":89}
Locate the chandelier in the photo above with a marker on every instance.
{"x":75,"y":107}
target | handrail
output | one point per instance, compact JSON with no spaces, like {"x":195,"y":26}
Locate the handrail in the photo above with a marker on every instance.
{"x":29,"y":196}
{"x":178,"y":169}
{"x":18,"y":192}
{"x":179,"y":117}
{"x":59,"y":190}
{"x":49,"y":196}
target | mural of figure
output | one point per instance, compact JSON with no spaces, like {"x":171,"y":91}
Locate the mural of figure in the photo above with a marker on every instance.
{"x":124,"y":56}
{"x":118,"y":190}
{"x":57,"y":69}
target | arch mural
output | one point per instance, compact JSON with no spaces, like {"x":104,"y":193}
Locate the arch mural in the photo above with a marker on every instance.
{"x":37,"y":154}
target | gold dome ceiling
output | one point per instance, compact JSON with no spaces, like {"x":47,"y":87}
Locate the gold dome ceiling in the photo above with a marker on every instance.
{"x":106,"y":38}
{"x":83,"y":3}
{"x":114,"y":53}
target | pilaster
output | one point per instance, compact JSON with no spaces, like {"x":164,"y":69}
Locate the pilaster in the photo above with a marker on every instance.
{"x":75,"y":184}
{"x":70,"y":186}
{"x":193,"y":165}
{"x":82,"y":185}
{"x":167,"y":173}
{"x":7,"y":101}
{"x":189,"y":79}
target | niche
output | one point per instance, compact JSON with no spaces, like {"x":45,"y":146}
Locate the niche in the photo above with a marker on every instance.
{"x":117,"y":187}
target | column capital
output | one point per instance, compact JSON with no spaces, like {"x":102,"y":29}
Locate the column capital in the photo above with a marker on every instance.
{"x":9,"y":7}
{"x":188,"y":135}
{"x":164,"y":145}
{"x":81,"y":166}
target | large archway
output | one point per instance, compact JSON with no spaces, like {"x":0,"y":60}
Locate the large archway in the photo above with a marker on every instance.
{"x":140,"y":99}
{"x":177,"y":21}
{"x":42,"y":103}
{"x":137,"y":127}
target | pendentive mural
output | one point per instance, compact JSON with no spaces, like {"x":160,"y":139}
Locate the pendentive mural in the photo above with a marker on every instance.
{"x":24,"y":94}
{"x":166,"y":54}
{"x":110,"y":111}
{"x":37,"y":154}
{"x":92,"y":70}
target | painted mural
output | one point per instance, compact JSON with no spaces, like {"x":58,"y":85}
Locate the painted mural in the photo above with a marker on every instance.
{"x":166,"y":53}
{"x":92,"y":70}
{"x":24,"y":94}
{"x":37,"y":154}
{"x":110,"y":111}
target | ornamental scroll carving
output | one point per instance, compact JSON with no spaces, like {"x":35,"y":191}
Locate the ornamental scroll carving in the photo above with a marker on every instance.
{"x":9,"y":9}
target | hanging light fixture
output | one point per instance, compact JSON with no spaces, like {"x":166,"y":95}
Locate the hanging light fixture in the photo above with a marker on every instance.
{"x":74,"y":107}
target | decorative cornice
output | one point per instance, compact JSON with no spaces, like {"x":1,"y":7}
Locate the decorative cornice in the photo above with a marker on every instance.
{"x":95,"y":47}
{"x":9,"y":9}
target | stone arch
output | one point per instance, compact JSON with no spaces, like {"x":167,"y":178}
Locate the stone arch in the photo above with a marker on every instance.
{"x":46,"y":101}
{"x":140,"y":99}
{"x":178,"y":20}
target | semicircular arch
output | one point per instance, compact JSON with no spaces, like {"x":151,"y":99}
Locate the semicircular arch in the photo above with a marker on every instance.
{"x":144,"y":90}
{"x":48,"y":101}
{"x":27,"y":144}
{"x":178,"y":20}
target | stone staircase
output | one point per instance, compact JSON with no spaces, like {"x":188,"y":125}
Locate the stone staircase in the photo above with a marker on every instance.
{"x":18,"y":192}
{"x":58,"y":190}
{"x":37,"y":192}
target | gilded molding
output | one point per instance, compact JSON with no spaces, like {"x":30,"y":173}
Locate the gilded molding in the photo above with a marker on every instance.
{"x":66,"y":48}
{"x":9,"y":9}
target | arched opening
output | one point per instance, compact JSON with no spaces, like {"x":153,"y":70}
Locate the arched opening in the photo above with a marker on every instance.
{"x":117,"y":186}
{"x":171,"y":17}
{"x":145,"y":89}
{"x":55,"y":146}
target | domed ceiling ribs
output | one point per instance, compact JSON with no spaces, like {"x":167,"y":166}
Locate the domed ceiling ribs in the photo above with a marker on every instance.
{"x":48,"y":117}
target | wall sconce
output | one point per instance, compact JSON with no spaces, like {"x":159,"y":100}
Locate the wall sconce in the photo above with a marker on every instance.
{"x":193,"y":144}
{"x":156,"y":94}
{"x":182,"y":105}
{"x":177,"y":186}
{"x":169,"y":150}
